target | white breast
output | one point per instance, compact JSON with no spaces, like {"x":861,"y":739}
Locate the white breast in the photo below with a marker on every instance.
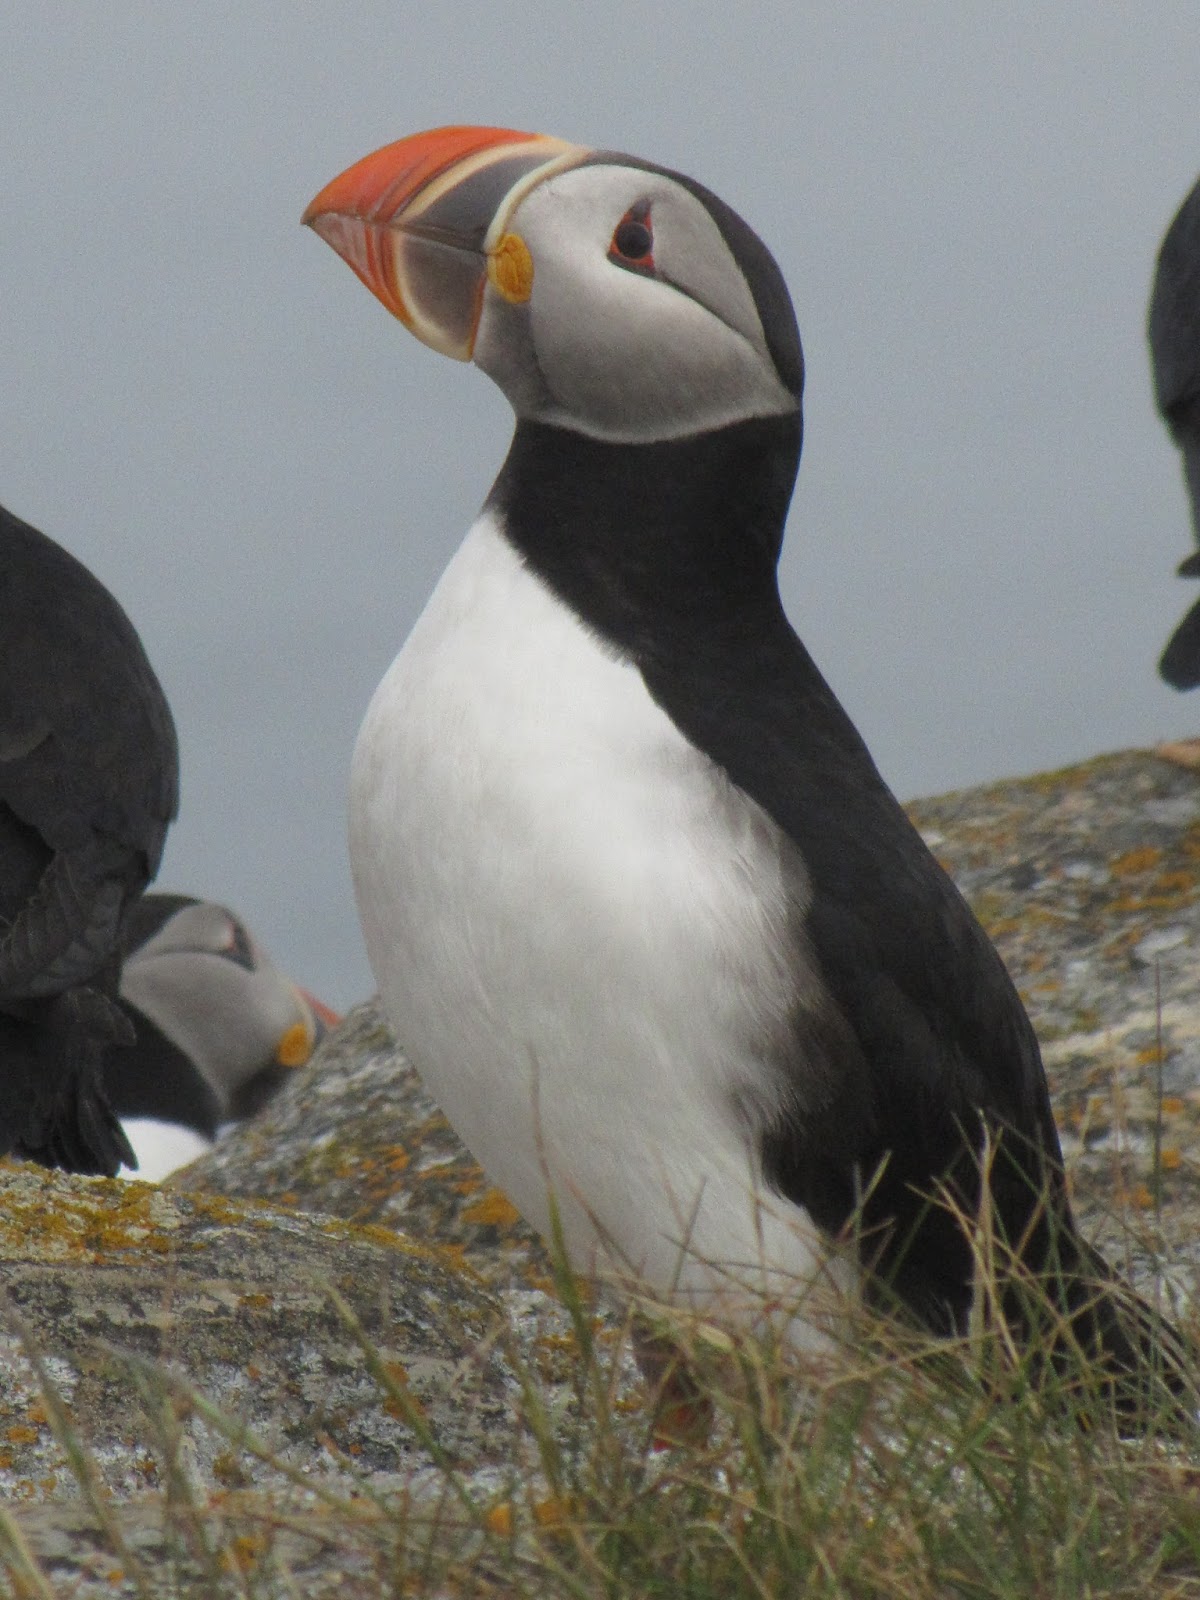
{"x":161,"y":1147}
{"x":579,"y":930}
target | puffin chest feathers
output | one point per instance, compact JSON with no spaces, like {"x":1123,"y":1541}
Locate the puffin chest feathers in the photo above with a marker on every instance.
{"x":588,"y":938}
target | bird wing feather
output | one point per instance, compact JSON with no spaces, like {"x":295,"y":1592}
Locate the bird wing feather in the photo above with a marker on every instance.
{"x":922,"y":1038}
{"x":88,"y":766}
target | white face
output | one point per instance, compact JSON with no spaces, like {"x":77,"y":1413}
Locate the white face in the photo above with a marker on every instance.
{"x":654,"y":346}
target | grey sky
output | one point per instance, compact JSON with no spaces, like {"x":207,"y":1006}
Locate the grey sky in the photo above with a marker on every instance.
{"x":200,"y":401}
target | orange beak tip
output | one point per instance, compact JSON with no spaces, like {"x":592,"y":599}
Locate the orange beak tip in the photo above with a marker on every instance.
{"x":381,"y":215}
{"x":319,"y":1009}
{"x":376,"y":186}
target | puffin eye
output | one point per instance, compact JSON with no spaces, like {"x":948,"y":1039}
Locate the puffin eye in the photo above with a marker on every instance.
{"x":633,"y":240}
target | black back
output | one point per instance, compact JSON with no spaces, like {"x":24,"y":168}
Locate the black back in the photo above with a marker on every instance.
{"x":155,"y":1078}
{"x":147,"y":915}
{"x":1174,"y":322}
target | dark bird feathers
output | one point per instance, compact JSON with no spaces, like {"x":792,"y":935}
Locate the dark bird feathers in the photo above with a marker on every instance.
{"x":1174,"y":330}
{"x":88,"y":787}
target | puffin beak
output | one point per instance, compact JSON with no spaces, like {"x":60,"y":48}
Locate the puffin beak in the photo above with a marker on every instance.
{"x":298,"y":1042}
{"x":423,"y":222}
{"x":325,"y":1018}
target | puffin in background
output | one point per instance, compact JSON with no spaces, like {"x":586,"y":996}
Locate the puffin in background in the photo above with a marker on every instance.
{"x":88,"y":787}
{"x":1174,"y":329}
{"x":217,"y":1028}
{"x":642,"y":911}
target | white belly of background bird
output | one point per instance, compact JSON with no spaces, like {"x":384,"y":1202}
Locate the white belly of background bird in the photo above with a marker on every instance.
{"x":578,"y":925}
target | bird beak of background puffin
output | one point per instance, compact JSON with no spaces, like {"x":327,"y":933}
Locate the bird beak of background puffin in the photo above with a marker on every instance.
{"x":424,"y":224}
{"x":297,"y":1043}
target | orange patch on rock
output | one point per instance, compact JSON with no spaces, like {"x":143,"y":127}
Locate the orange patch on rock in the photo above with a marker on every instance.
{"x":492,"y":1209}
{"x":1133,"y":861}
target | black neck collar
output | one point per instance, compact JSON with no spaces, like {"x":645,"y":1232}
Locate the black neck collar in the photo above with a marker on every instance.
{"x":657,"y":546}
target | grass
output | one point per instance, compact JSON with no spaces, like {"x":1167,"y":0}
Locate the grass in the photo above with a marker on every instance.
{"x":889,"y":1467}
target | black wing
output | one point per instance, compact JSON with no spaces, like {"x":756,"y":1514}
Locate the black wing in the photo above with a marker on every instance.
{"x":921,"y":1039}
{"x":921,"y":1044}
{"x":88,"y":787}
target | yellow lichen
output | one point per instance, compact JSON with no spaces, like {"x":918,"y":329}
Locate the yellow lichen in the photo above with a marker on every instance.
{"x":1135,"y":861}
{"x":554,"y":1512}
{"x":499,"y":1520}
{"x":246,"y":1549}
{"x":492,"y":1209}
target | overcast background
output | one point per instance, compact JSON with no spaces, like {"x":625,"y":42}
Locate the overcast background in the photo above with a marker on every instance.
{"x":200,"y":401}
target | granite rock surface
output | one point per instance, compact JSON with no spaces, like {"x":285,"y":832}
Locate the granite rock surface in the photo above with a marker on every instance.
{"x":350,"y":1196}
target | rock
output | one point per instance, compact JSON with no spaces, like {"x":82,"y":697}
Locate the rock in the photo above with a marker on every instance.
{"x":355,"y":1135}
{"x":234,"y":1299}
{"x":1088,"y":880}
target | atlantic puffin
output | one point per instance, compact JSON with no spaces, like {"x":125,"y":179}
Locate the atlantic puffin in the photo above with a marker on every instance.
{"x":642,"y":911}
{"x":217,"y":1028}
{"x":1174,"y":330}
{"x":88,"y":787}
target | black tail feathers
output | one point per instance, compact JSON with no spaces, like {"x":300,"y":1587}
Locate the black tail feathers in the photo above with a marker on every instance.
{"x":53,"y":1108}
{"x":993,"y":1253}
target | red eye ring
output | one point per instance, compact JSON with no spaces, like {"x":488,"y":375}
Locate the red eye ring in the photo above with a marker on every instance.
{"x":632,"y":244}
